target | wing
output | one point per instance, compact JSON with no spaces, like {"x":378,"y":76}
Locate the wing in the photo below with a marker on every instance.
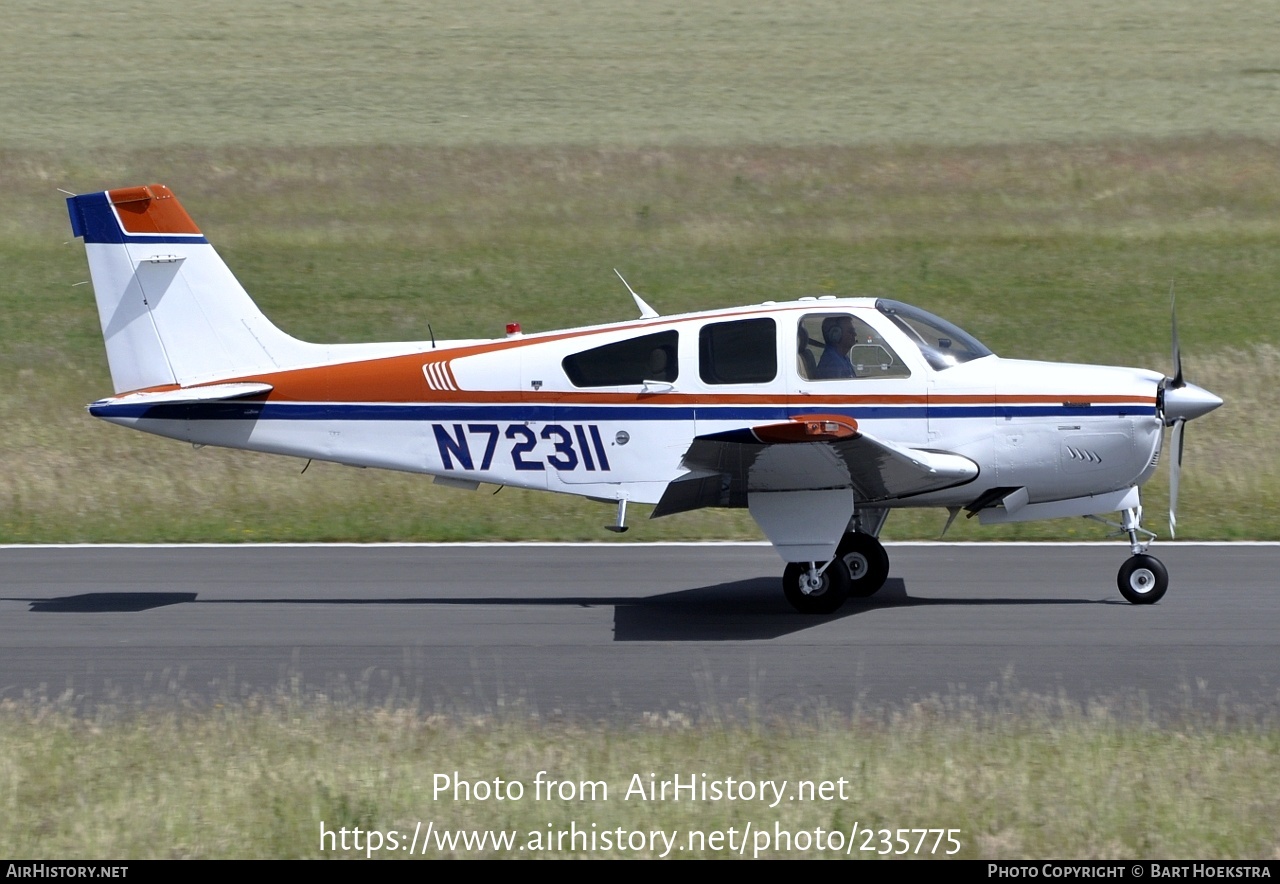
{"x":807,"y":453}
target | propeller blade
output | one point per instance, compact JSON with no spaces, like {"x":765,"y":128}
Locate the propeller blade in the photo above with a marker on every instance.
{"x":1177,"y":351}
{"x":1175,"y":474}
{"x":1179,"y":403}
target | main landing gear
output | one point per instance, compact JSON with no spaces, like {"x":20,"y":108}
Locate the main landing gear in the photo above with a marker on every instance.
{"x":858,"y":570}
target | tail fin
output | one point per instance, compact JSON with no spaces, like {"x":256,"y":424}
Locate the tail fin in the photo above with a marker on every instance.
{"x":171,"y":311}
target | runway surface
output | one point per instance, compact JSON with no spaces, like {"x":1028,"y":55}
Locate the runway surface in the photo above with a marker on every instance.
{"x":626,"y":629}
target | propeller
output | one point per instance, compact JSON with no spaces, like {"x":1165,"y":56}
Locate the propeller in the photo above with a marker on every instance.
{"x":1175,"y":471}
{"x":1179,"y":403}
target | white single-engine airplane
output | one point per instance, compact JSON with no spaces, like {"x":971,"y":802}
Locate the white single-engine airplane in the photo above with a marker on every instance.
{"x":818,"y":415}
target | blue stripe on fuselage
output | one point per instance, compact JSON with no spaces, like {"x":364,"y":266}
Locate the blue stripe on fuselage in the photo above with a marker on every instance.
{"x":314,"y":411}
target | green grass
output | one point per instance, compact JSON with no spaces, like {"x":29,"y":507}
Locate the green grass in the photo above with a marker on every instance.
{"x":727,"y":72}
{"x":1046,"y":251}
{"x":1019,"y":776}
{"x":1038,"y":174}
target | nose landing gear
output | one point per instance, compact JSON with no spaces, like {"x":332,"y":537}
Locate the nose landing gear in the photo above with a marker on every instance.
{"x":1143,"y":579}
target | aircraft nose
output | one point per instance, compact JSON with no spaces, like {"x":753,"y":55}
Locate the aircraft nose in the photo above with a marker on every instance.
{"x":1187,"y":402}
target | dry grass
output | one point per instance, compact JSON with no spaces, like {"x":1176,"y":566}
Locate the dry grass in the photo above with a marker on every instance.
{"x":1019,"y":776}
{"x":1236,"y":461}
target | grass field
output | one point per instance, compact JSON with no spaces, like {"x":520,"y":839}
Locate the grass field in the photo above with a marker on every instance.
{"x":1048,"y":251}
{"x":1026,"y":777}
{"x":726,"y":72}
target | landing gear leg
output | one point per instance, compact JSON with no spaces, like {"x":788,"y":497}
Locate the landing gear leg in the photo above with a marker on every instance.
{"x":866,"y":561}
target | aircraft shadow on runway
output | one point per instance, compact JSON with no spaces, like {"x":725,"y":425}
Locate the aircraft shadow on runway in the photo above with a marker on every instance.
{"x":741,"y":610}
{"x":747,"y":610}
{"x":110,"y":602}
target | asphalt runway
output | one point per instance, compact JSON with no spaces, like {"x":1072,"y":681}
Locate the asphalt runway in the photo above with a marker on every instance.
{"x":627,"y":629}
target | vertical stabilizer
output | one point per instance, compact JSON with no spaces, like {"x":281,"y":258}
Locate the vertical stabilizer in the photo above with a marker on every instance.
{"x":171,"y":311}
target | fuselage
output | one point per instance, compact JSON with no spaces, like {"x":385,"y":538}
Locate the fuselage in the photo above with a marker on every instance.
{"x":609,"y":411}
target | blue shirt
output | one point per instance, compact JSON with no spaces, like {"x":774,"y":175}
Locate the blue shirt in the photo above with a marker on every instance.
{"x":834,"y":364}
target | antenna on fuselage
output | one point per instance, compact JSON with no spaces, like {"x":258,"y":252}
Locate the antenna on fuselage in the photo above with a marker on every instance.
{"x":646,"y":312}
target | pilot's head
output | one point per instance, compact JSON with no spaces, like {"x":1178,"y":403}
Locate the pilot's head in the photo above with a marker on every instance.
{"x":837,"y":330}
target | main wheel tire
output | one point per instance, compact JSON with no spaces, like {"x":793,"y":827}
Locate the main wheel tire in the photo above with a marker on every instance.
{"x":866,"y":561}
{"x":1143,"y":580}
{"x":829,"y":595}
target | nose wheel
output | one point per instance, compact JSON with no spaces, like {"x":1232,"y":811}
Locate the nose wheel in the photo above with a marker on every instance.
{"x":1143,"y":580}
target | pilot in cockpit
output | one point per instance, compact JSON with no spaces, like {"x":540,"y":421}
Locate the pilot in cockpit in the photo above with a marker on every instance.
{"x":838,"y":337}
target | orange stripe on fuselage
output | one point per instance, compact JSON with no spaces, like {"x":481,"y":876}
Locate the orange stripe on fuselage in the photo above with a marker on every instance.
{"x":400,"y":379}
{"x":150,"y":209}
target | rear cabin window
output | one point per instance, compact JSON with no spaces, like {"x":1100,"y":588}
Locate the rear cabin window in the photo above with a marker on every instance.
{"x":625,"y":363}
{"x":741,"y":352}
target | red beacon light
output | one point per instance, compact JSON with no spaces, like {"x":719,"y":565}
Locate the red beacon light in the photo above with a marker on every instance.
{"x":513,"y":329}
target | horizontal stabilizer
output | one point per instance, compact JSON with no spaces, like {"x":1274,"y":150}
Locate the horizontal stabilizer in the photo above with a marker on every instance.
{"x":210,"y":393}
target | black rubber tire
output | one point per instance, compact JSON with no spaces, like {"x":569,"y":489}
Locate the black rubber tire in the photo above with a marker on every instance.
{"x":1143,"y":580}
{"x":827,"y":599}
{"x":866,"y":561}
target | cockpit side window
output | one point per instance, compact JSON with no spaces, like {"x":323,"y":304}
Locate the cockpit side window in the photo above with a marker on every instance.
{"x":837,"y":346}
{"x":623,"y":363}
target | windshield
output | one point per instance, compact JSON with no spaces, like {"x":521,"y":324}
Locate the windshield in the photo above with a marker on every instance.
{"x":941,"y":343}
